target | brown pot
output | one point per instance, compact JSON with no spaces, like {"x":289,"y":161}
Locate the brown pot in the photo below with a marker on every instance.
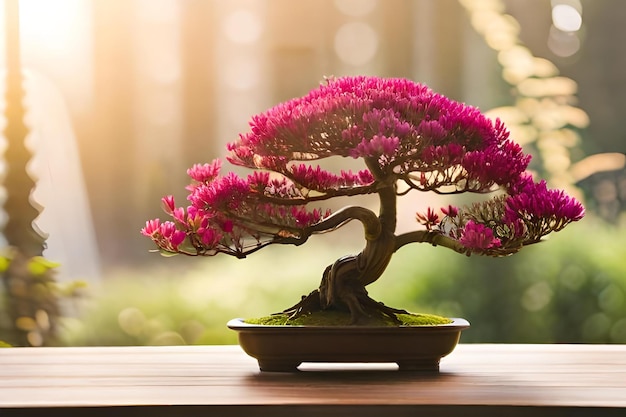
{"x":284,"y":348}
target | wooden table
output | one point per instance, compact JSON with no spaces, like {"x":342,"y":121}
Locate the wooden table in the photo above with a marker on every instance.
{"x":475,"y":380}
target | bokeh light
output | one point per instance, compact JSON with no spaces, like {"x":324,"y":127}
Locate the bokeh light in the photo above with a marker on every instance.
{"x":566,"y":18}
{"x":563,"y":44}
{"x":356,"y":8}
{"x":356,"y":43}
{"x":242,"y":26}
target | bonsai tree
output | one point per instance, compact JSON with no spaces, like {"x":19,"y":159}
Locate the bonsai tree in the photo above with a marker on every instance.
{"x":409,"y":139}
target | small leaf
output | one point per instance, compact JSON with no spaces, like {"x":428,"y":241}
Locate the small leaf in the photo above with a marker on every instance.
{"x":39,"y":265}
{"x":4,"y":263}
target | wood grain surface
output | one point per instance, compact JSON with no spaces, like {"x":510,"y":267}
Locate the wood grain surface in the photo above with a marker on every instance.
{"x":476,"y":379}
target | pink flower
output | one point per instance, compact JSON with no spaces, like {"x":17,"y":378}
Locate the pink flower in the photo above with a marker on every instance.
{"x":502,"y":164}
{"x":322,"y":180}
{"x":304,"y":218}
{"x":222,"y":194}
{"x":205,"y":172}
{"x":196,"y":218}
{"x":168,"y":205}
{"x":227,"y":226}
{"x":378,"y":145}
{"x":538,"y":203}
{"x":523,"y":184}
{"x":172,"y":235}
{"x":450,"y":211}
{"x":364,"y":177}
{"x":210,"y":238}
{"x":478,"y":237}
{"x":179,"y":215}
{"x":433,"y":130}
{"x":152,"y":226}
{"x":442,"y":156}
{"x":165,"y":235}
{"x":429,"y":219}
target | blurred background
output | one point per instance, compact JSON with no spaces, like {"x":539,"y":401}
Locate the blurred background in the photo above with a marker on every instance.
{"x":121,"y":97}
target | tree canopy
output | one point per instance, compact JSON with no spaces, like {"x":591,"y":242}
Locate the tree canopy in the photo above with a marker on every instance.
{"x":409,"y":137}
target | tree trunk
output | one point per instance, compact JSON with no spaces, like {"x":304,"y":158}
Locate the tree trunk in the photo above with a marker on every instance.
{"x":343,"y":283}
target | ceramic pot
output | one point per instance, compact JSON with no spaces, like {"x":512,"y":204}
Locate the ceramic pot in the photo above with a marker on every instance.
{"x":284,"y":348}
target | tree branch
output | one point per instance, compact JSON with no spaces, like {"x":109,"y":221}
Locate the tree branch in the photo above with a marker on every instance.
{"x":324,"y":195}
{"x":427,"y":236}
{"x":371,"y":224}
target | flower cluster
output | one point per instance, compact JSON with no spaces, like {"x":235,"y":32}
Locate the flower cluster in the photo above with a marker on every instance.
{"x":478,"y":237}
{"x":323,"y":181}
{"x":405,"y":133}
{"x":205,"y":173}
{"x":165,"y":234}
{"x":228,"y":214}
{"x":541,"y":209}
{"x":406,"y":128}
{"x":505,"y":223}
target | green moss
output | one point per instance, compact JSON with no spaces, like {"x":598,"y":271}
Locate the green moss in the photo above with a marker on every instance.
{"x":340,"y":318}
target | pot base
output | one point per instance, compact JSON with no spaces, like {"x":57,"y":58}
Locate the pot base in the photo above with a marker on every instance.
{"x":426,"y":365}
{"x":284,"y":348}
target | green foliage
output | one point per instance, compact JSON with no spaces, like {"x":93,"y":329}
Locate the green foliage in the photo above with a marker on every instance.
{"x":38,"y":266}
{"x":192,"y":302}
{"x":30,"y":302}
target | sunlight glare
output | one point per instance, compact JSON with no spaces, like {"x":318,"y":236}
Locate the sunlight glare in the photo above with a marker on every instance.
{"x":56,"y":41}
{"x":52,"y":26}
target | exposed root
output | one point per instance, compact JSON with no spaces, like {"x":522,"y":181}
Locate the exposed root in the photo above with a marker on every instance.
{"x":342,"y":288}
{"x":363,"y":309}
{"x":372,"y":307}
{"x":308,"y":304}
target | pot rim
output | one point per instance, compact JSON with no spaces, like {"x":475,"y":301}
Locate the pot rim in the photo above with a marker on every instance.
{"x":240,"y":324}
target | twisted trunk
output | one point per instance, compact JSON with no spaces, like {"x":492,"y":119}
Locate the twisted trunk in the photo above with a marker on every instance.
{"x":343,"y":283}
